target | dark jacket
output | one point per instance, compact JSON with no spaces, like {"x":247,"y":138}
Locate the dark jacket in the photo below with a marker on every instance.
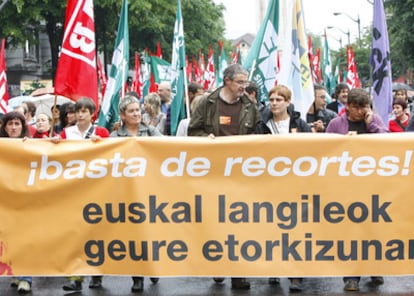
{"x":295,"y":122}
{"x":324,"y":115}
{"x":205,"y":119}
{"x":333,"y":106}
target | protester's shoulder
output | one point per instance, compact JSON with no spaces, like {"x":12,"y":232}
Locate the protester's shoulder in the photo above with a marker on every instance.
{"x":114,"y":134}
{"x":148,"y":130}
{"x":330,"y":113}
{"x":101,"y":131}
{"x":153,"y":131}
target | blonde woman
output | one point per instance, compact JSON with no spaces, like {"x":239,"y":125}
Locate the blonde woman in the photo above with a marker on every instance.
{"x":183,"y":125}
{"x":153,"y":115}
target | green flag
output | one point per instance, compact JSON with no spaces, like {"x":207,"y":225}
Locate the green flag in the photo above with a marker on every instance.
{"x":327,"y":81}
{"x":118,"y":73}
{"x":146,"y":75}
{"x":222,"y":65}
{"x":177,"y":72}
{"x":262,"y":57}
{"x":161,"y":69}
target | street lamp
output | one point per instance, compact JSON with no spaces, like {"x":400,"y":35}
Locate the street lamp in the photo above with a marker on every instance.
{"x":339,"y":40}
{"x":346,"y":33}
{"x":357,"y":20}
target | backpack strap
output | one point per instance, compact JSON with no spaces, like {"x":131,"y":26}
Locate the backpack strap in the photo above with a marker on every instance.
{"x":89,"y":132}
{"x":399,"y":124}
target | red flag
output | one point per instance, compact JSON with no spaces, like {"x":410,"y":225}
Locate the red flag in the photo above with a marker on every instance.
{"x":102,"y":77}
{"x":310,"y":49}
{"x":316,"y":62}
{"x":209,"y":74}
{"x":189,"y":70}
{"x":312,"y":59}
{"x":76,"y":74}
{"x":201,"y":66}
{"x":235,"y":55}
{"x":153,"y":85}
{"x":4,"y":88}
{"x":352,"y":77}
{"x":198,"y":77}
{"x":159,"y":52}
{"x":137,"y":82}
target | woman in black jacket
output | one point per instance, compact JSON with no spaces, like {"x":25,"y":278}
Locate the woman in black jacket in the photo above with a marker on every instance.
{"x":279,"y":117}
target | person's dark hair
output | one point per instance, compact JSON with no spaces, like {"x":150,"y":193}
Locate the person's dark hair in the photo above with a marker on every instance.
{"x":64,"y":110}
{"x":339,"y":87}
{"x":252,"y":87}
{"x":359,"y":97}
{"x":401,"y":90}
{"x":57,"y":106}
{"x":87,"y":103}
{"x":1,"y":118}
{"x":133,"y":93}
{"x":401,"y":102}
{"x":318,"y":87}
{"x":31,"y":108}
{"x":193,"y":87}
{"x":10,"y":116}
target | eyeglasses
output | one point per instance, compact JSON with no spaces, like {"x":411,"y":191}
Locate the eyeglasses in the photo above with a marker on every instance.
{"x":241,"y":82}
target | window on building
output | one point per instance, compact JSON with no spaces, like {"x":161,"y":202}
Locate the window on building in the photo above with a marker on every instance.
{"x":30,"y":47}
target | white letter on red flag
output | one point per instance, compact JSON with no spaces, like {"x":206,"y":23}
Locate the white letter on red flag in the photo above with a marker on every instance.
{"x":76,"y":74}
{"x":4,"y":88}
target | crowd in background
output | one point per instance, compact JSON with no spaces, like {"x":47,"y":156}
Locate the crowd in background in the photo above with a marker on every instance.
{"x":232,"y":109}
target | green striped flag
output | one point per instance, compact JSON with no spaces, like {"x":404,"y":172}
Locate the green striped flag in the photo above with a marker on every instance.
{"x":178,"y":72}
{"x":262,"y":57}
{"x":118,"y":73}
{"x":161,"y":69}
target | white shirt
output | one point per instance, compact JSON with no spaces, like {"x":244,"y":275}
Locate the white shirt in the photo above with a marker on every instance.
{"x":281,"y":127}
{"x":73,"y":132}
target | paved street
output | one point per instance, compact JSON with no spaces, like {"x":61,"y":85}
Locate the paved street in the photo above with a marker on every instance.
{"x":120,"y":286}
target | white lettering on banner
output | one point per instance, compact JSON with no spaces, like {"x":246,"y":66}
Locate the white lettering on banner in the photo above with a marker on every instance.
{"x":306,"y":166}
{"x":345,"y":165}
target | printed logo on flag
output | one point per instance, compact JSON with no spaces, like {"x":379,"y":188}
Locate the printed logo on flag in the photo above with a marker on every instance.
{"x":79,"y":39}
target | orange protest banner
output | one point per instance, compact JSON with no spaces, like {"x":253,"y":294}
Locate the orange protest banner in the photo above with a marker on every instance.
{"x":294,"y":205}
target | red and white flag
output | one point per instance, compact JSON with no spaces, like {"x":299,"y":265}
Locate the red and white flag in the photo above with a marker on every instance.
{"x":137,"y":82}
{"x":159,"y":51}
{"x":316,"y":63}
{"x":209,"y":73}
{"x":352,"y":77}
{"x":189,"y":70}
{"x":201,"y":65}
{"x":102,"y":77}
{"x":235,"y":58}
{"x":76,"y":74}
{"x":4,"y":88}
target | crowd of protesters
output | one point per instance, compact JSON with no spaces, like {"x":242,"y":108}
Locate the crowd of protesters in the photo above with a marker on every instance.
{"x":231,"y":109}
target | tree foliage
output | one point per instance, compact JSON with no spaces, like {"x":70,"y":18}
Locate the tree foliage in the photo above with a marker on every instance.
{"x":400,"y":15}
{"x":149,"y":22}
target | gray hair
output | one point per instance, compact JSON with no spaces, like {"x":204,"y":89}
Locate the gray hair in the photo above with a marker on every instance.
{"x":233,"y":70}
{"x":127,"y":100}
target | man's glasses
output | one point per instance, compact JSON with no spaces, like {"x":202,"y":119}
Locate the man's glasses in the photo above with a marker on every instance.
{"x":241,"y":82}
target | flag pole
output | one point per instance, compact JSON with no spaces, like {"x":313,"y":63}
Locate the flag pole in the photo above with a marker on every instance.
{"x":123,"y":77}
{"x":53,"y":117}
{"x":187,"y":99}
{"x":252,"y":69}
